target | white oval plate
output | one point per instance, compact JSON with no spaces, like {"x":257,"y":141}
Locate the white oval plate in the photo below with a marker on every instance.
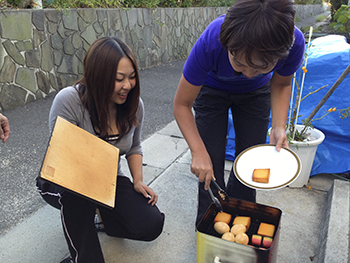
{"x":285,"y":166}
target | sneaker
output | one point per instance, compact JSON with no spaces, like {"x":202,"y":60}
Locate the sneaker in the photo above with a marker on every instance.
{"x":99,"y":224}
{"x":67,"y":260}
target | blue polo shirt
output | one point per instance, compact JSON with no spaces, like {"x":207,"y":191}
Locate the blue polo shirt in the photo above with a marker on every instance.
{"x":208,"y":63}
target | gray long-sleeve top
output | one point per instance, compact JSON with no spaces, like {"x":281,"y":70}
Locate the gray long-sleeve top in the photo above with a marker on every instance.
{"x":67,"y":105}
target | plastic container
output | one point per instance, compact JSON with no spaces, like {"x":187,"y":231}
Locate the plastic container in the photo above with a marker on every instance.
{"x":306,"y":152}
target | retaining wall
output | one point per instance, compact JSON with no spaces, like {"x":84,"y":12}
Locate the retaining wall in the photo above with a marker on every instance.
{"x":42,"y":50}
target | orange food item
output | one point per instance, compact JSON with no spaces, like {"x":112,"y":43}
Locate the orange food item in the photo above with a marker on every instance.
{"x":267,"y":242}
{"x":261,"y":175}
{"x":244,"y":220}
{"x":223,"y":217}
{"x":266,"y":230}
{"x":256,"y":240}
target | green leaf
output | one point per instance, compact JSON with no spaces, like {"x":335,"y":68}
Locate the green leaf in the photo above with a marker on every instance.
{"x":342,"y":19}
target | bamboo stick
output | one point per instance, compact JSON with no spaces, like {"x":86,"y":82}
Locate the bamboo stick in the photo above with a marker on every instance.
{"x":302,"y":83}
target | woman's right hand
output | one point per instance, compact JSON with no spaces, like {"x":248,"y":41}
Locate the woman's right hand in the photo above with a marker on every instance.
{"x":202,"y":168}
{"x":183,"y":102}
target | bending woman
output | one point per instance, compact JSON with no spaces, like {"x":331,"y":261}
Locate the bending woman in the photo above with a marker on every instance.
{"x":244,"y":61}
{"x":106,"y":102}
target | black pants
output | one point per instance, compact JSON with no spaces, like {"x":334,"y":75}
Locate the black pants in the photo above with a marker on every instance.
{"x":250,"y":113}
{"x":132,"y":218}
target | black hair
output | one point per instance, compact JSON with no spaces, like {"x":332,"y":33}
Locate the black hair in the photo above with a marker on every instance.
{"x":260,"y":29}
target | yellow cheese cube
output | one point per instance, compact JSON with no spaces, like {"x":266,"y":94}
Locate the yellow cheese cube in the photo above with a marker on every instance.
{"x":261,"y":175}
{"x":266,"y":230}
{"x":222,"y":217}
{"x":244,"y":220}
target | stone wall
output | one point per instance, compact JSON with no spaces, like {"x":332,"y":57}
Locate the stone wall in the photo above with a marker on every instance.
{"x":42,"y":51}
{"x":305,"y":11}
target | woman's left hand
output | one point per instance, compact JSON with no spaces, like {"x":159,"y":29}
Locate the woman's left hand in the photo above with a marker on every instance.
{"x":278,"y":136}
{"x":147,"y":192}
{"x":4,"y":128}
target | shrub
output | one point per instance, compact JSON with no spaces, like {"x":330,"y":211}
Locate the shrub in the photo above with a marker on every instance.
{"x":62,"y":4}
{"x":135,"y":3}
{"x":16,"y":3}
{"x":341,"y":19}
{"x":335,"y":5}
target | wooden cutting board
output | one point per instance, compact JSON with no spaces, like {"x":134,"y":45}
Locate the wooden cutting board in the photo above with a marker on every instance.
{"x":81,"y":162}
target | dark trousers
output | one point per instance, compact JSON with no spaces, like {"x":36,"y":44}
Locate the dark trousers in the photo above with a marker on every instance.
{"x":250,"y":113}
{"x":132,"y":218}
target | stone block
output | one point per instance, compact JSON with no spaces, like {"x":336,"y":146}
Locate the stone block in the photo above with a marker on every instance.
{"x":89,"y":34}
{"x":32,"y":58}
{"x":8,"y":70}
{"x":25,"y":77}
{"x":38,"y":19}
{"x":70,"y":20}
{"x":26,"y":45}
{"x":43,"y":82}
{"x":13,"y":52}
{"x":46,"y":62}
{"x":16,"y":24}
{"x":88,"y":14}
{"x":12,"y":96}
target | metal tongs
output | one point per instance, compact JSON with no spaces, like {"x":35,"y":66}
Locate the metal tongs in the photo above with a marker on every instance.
{"x":222,"y":194}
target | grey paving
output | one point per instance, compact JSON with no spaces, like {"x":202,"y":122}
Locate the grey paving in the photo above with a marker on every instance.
{"x":39,"y":238}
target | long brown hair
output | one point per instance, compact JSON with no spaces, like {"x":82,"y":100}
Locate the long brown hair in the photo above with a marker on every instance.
{"x":97,"y":85}
{"x":261,"y":29}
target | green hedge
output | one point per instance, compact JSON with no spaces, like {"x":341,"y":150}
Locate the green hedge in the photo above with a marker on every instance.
{"x":133,"y":3}
{"x":61,"y":4}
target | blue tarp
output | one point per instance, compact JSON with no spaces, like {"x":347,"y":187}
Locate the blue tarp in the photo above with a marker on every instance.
{"x":328,"y":57}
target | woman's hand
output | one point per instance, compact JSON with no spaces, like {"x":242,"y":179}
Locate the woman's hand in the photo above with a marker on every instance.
{"x":183,"y":102}
{"x":4,"y":128}
{"x":278,"y":136}
{"x":280,"y":97}
{"x":135,"y":166}
{"x":202,"y":167}
{"x":147,"y":192}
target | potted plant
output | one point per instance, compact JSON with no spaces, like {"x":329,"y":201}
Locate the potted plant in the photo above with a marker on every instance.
{"x":304,"y":138}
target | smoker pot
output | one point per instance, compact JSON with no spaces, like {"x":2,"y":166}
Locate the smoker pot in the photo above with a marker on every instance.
{"x":212,"y":249}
